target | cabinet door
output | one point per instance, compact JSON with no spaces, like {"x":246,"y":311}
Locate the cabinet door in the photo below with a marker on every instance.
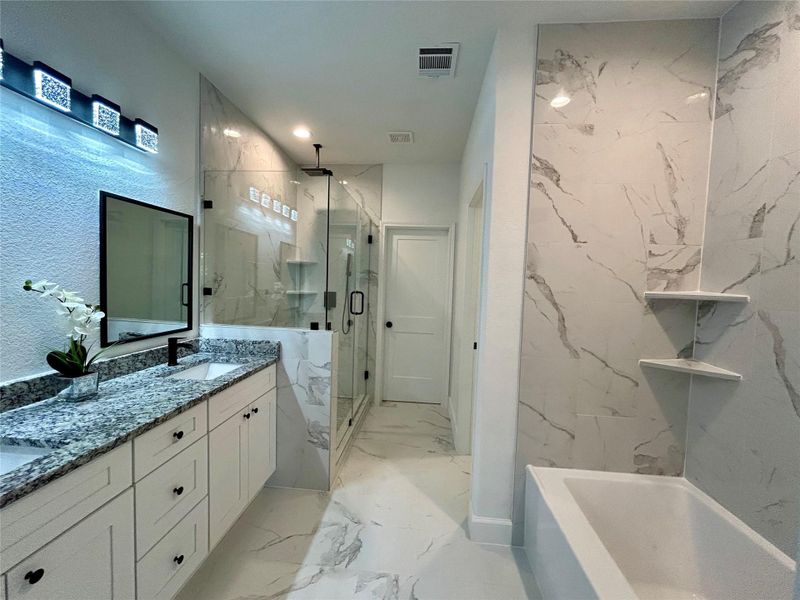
{"x":94,"y":559}
{"x":228,"y":472}
{"x":260,"y":443}
{"x":273,"y":432}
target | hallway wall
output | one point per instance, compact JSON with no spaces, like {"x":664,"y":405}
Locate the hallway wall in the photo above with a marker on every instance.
{"x":617,"y":207}
{"x":743,"y":445}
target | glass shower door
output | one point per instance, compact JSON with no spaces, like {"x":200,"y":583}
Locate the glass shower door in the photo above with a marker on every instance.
{"x":342,"y":279}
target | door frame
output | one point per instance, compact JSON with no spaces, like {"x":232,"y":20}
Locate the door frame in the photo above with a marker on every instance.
{"x":386,"y":228}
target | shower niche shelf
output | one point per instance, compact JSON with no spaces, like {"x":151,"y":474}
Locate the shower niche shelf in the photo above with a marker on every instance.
{"x":697,"y":295}
{"x":689,"y":365}
{"x":298,"y":262}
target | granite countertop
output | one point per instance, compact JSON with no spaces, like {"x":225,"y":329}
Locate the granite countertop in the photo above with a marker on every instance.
{"x":124,"y":408}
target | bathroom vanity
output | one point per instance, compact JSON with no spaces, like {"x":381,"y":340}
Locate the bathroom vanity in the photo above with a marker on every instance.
{"x":124,"y":496}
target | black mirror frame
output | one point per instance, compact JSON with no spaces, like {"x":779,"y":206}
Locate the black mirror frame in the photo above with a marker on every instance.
{"x":104,"y":343}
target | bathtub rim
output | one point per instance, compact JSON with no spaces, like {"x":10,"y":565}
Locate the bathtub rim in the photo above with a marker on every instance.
{"x":599,"y":566}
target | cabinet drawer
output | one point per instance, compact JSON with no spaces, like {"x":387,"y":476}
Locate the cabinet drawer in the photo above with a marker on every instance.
{"x":167,"y":494}
{"x":94,"y":559}
{"x":32,"y":521}
{"x":163,"y":570}
{"x":234,"y":399}
{"x":157,"y":446}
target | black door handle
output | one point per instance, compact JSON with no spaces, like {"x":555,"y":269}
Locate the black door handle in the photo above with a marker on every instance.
{"x":34,"y":576}
{"x":178,"y":490}
{"x":353,"y":295}
{"x":178,"y":435}
{"x":246,"y":415}
{"x":178,"y":559}
{"x":185,"y":293}
{"x":255,"y":410}
{"x":389,"y":324}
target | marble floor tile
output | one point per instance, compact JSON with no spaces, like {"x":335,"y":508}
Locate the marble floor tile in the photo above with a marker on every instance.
{"x":393,"y":527}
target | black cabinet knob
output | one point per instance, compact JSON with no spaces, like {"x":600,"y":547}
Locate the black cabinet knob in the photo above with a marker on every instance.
{"x":246,"y":415}
{"x":34,"y":576}
{"x":255,"y":409}
{"x":178,"y":435}
{"x":178,"y":490}
{"x":389,"y":324}
{"x":178,"y":559}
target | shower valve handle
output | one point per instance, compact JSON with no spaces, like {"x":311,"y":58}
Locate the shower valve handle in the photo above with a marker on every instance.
{"x":389,"y":324}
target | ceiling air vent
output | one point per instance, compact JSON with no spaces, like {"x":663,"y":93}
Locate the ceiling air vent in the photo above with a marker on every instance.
{"x":439,"y":61}
{"x":401,"y":137}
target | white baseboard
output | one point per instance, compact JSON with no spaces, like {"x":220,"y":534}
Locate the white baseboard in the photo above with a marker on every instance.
{"x":489,"y":530}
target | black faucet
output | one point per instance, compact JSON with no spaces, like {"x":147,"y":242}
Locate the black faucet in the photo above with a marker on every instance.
{"x":172,"y":350}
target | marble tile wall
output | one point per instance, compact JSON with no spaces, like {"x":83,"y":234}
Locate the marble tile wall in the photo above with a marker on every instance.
{"x":743,"y":445}
{"x":306,"y":399}
{"x":618,"y":194}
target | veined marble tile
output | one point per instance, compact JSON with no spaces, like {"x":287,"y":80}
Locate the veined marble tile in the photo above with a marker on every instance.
{"x":659,"y":447}
{"x":605,"y":443}
{"x":673,"y":267}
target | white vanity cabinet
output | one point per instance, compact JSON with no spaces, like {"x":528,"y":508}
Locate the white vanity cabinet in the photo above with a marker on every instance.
{"x":241,"y":454}
{"x":136,"y":522}
{"x":93,"y":559}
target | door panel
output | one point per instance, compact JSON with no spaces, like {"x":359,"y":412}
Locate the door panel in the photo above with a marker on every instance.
{"x":228,"y":472}
{"x":260,"y":443}
{"x":416,"y":305}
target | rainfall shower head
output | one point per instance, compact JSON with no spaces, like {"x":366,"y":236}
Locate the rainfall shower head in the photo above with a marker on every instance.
{"x":317,"y":171}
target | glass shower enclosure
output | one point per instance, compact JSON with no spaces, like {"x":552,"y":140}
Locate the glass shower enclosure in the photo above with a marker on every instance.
{"x":285,"y":249}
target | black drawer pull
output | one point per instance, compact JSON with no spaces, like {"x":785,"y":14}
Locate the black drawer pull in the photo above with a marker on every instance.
{"x":178,"y":490}
{"x":246,"y":415}
{"x":255,"y":409}
{"x":34,"y":576}
{"x":178,"y":435}
{"x":178,"y":559}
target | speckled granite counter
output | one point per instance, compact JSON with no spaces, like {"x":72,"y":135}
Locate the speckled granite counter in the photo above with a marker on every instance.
{"x":124,"y":408}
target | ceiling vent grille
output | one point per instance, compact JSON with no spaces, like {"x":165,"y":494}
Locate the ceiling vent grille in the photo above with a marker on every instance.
{"x":438,"y":61}
{"x":401,"y":137}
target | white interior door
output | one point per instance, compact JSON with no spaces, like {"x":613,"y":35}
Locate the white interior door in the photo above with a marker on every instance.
{"x":417,"y":305}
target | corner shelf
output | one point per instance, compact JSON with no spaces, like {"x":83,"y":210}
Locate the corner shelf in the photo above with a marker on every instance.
{"x":301,"y":293}
{"x":687,"y":365}
{"x":697,"y":295}
{"x":301,"y":262}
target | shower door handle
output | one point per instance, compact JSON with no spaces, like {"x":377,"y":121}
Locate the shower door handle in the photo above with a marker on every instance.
{"x":360,"y":296}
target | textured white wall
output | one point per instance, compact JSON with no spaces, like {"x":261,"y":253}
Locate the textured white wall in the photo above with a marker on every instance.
{"x":52,"y":168}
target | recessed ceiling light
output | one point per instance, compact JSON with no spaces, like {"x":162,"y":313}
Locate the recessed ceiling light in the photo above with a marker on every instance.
{"x":302,"y":132}
{"x":344,"y":182}
{"x":560,"y":101}
{"x":231,"y":133}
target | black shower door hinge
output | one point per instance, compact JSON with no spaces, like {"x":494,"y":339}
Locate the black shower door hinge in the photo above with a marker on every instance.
{"x":366,"y":374}
{"x":208,"y":204}
{"x":207,"y":291}
{"x":369,"y":238}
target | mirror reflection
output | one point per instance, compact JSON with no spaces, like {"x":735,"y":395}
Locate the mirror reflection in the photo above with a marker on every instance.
{"x":146,"y":255}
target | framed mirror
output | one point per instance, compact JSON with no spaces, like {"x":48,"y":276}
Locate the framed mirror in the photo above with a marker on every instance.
{"x":145,"y":270}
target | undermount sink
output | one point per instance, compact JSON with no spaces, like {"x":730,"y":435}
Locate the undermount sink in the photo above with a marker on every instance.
{"x":13,"y":457}
{"x":205,"y":372}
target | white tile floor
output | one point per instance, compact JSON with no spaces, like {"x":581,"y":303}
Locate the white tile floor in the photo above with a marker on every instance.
{"x":392,"y":528}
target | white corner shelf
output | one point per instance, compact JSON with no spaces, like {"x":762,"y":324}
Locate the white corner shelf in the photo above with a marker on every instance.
{"x":301,"y":262}
{"x":687,"y":365}
{"x":301,"y":293}
{"x":697,"y":295}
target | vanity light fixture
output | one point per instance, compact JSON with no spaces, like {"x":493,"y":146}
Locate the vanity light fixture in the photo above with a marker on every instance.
{"x":294,"y":215}
{"x":39,"y":82}
{"x":286,"y":210}
{"x":51,"y":87}
{"x":231,"y":133}
{"x":146,"y":136}
{"x":560,"y":101}
{"x":105,"y":115}
{"x":265,"y":200}
{"x":276,"y":206}
{"x":255,"y":194}
{"x":294,"y":181}
{"x":302,"y":132}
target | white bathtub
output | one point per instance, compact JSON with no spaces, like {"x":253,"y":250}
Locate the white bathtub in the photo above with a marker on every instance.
{"x":614,"y":536}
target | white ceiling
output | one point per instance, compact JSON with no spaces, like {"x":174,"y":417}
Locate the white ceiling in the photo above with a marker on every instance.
{"x":347,"y":70}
